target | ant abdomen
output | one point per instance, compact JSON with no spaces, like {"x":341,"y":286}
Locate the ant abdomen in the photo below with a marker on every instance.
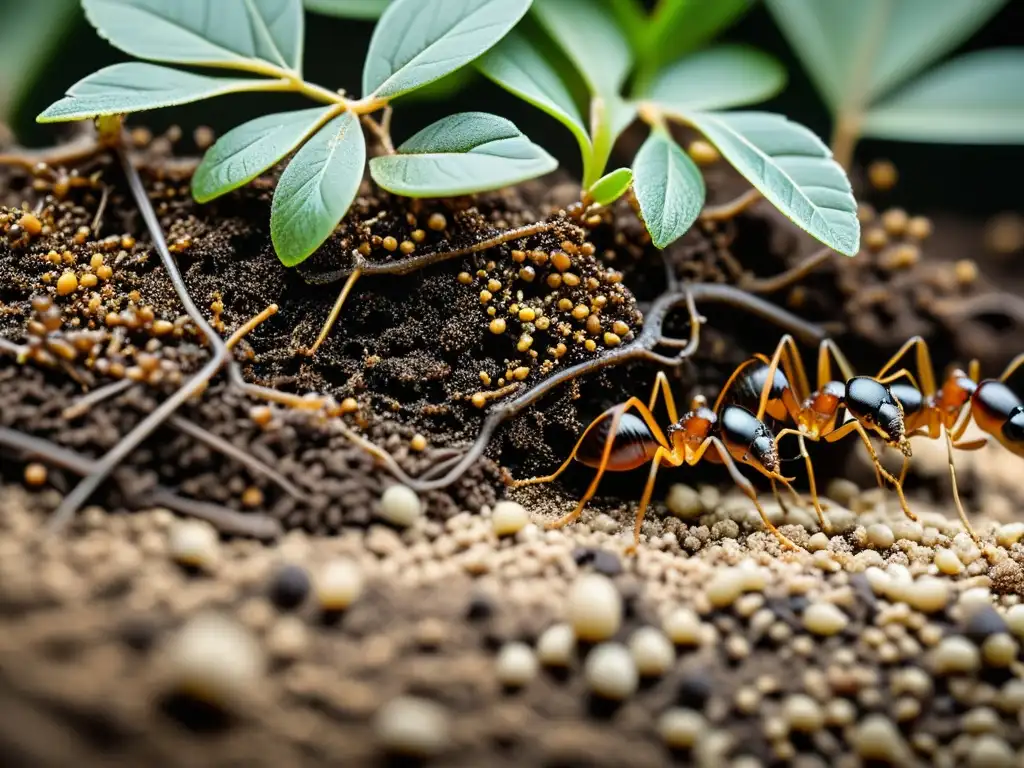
{"x":998,"y":410}
{"x":747,"y":390}
{"x":633,"y":445}
{"x":909,"y":396}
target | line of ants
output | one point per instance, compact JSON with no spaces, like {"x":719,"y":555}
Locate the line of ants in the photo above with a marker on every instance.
{"x":894,"y":405}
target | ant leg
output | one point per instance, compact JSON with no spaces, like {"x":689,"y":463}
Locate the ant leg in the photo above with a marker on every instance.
{"x":901,"y":373}
{"x":855,"y":426}
{"x":335,"y":312}
{"x":813,"y":485}
{"x":956,"y":493}
{"x":971,"y":445}
{"x":826,"y":349}
{"x":663,"y":456}
{"x":1016,"y":363}
{"x":661,"y":385}
{"x":743,"y":484}
{"x":924,"y":364}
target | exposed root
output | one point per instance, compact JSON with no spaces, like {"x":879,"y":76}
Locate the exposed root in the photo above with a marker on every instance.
{"x":790,"y":276}
{"x":732,"y":209}
{"x":97,"y":396}
{"x":226,"y":520}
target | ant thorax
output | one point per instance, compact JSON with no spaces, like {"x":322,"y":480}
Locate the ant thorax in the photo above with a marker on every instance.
{"x":819,"y":410}
{"x":953,"y":396}
{"x":691,"y":430}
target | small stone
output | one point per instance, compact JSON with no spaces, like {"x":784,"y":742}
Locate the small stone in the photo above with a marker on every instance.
{"x":927,"y":594}
{"x":1009,"y":534}
{"x":413,"y":727}
{"x":991,"y":751}
{"x":684,"y":502}
{"x":289,"y":587}
{"x":880,"y":536}
{"x":652,"y":651}
{"x":288,"y":638}
{"x":194,"y":544}
{"x":824,"y":619}
{"x":725,"y":587}
{"x":684,"y":627}
{"x":818,"y":542}
{"x":610,"y":671}
{"x":983,"y":620}
{"x":509,"y":518}
{"x":955,"y":655}
{"x":947,"y":561}
{"x":213,"y":659}
{"x":607,"y":563}
{"x":400,"y":505}
{"x":595,"y":607}
{"x":803,"y":713}
{"x":877,"y":738}
{"x":339,"y":585}
{"x":681,"y":728}
{"x":556,"y":646}
{"x":1015,"y":620}
{"x":516,"y":665}
{"x":999,"y":650}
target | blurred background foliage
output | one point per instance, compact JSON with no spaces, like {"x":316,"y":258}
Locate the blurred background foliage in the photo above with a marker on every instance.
{"x":46,"y":45}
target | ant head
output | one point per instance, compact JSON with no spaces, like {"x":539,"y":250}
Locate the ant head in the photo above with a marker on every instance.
{"x":1013,"y":428}
{"x":873,"y":405}
{"x":743,"y":430}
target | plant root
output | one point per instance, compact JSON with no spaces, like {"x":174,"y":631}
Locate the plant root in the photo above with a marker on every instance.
{"x":732,"y":209}
{"x":225,"y":520}
{"x":790,"y":276}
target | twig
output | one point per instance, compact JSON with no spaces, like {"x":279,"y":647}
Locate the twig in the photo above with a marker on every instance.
{"x":106,"y":392}
{"x":98,"y":218}
{"x":790,"y":276}
{"x":733,"y":208}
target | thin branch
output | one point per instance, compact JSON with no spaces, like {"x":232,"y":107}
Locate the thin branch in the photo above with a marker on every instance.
{"x":732,"y":209}
{"x":790,"y":276}
{"x":86,"y":402}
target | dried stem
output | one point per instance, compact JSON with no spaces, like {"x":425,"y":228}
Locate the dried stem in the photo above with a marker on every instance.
{"x":733,"y":208}
{"x":790,"y":276}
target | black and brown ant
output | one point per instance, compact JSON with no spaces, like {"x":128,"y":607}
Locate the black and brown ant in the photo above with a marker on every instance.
{"x":818,"y":415}
{"x":620,"y":440}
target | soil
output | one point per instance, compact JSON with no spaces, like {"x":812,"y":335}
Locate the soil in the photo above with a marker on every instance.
{"x":86,"y":617}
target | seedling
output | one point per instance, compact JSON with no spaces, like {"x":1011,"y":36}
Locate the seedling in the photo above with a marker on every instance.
{"x":866,"y":60}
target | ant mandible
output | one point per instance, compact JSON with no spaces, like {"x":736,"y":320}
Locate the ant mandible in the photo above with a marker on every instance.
{"x":619,"y":440}
{"x":816,"y":415}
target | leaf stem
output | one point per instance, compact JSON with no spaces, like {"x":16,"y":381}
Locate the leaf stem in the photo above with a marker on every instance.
{"x":288,"y":80}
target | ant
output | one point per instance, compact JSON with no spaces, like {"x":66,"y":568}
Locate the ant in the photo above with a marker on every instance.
{"x":619,"y":440}
{"x":947,"y":410}
{"x":787,"y":396}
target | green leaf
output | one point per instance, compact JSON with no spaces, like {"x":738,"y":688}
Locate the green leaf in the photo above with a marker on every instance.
{"x":317,"y":188}
{"x":216,"y":33}
{"x":349,"y":9}
{"x":135,"y":86}
{"x":588,"y":34}
{"x":669,"y":187}
{"x":460,"y":155}
{"x":611,"y":186}
{"x":792,"y":168}
{"x":416,"y":43}
{"x":518,"y":66}
{"x":631,"y":18}
{"x":681,"y":26}
{"x":242,"y":154}
{"x":977,"y":98}
{"x":718,"y":78}
{"x":26,"y":45}
{"x":856,"y":51}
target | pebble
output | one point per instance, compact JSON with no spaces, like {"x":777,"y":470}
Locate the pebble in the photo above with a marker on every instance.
{"x":803,"y":713}
{"x":516,"y":665}
{"x":595,"y":607}
{"x":413,"y":727}
{"x":214,"y":659}
{"x":652,"y":651}
{"x":289,"y":587}
{"x":880,"y":536}
{"x":948,"y":562}
{"x":999,"y":650}
{"x":955,"y":655}
{"x":983,"y":620}
{"x":288,"y":638}
{"x":610,"y":671}
{"x":877,"y":738}
{"x":818,"y":542}
{"x":1015,"y":620}
{"x":684,"y":502}
{"x":400,"y":505}
{"x":509,"y":518}
{"x":989,"y":751}
{"x":684,"y":627}
{"x":927,"y":594}
{"x":681,"y":728}
{"x":339,"y":585}
{"x":556,"y":646}
{"x":725,"y":587}
{"x":1009,"y":534}
{"x":193,"y":544}
{"x":824,"y":619}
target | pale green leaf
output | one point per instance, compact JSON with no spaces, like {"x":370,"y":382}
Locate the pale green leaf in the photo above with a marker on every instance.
{"x":242,"y":154}
{"x":681,"y":26}
{"x":611,"y":186}
{"x":219,"y":33}
{"x":136,"y":86}
{"x":631,"y":18}
{"x":977,"y":98}
{"x":792,"y":168}
{"x":317,"y":188}
{"x":460,"y":155}
{"x":718,"y":78}
{"x":609,"y":116}
{"x":669,"y":188}
{"x":587,"y":33}
{"x":349,"y":9}
{"x":518,"y":66}
{"x":418,"y":42}
{"x":856,"y":51}
{"x":26,"y":45}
